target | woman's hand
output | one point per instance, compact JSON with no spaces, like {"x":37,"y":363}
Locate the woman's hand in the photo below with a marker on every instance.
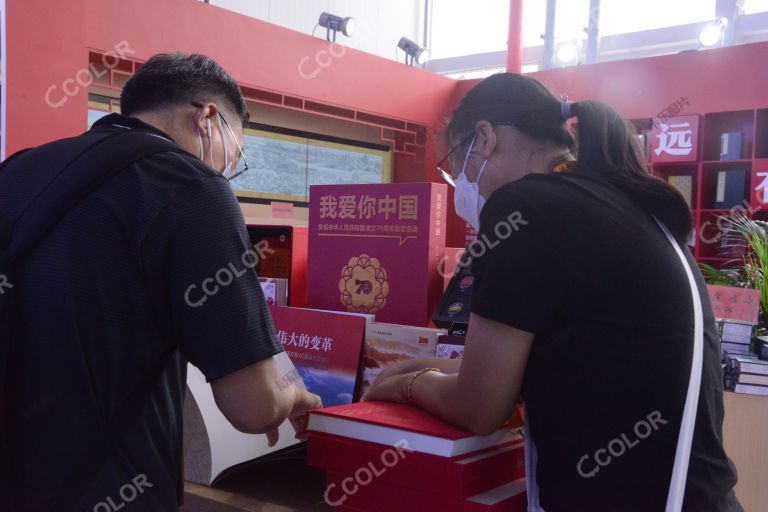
{"x":390,"y":389}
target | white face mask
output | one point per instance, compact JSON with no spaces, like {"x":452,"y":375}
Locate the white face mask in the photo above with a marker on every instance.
{"x":466,"y":197}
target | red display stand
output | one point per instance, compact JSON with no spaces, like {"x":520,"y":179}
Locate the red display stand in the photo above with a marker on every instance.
{"x":285,"y":256}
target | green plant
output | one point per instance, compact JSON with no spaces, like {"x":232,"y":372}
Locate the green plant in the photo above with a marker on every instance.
{"x":741,"y":232}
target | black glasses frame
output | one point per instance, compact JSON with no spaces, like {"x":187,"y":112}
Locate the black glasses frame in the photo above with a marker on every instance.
{"x":439,"y":167}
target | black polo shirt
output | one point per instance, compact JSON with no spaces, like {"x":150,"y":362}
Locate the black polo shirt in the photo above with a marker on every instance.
{"x":121,"y":277}
{"x":576,"y":262}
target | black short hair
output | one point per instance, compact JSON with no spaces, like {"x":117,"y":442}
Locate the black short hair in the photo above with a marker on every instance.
{"x":175,"y":79}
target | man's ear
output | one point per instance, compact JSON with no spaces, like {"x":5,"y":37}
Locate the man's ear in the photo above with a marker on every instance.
{"x":485,"y":139}
{"x":203,"y":118}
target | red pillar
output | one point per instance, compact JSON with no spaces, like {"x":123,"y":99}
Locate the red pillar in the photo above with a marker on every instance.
{"x":515,"y":38}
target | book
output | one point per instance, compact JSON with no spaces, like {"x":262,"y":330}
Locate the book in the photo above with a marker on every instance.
{"x":212,"y":446}
{"x":748,"y":365}
{"x":325,"y":346}
{"x":737,"y":332}
{"x":731,"y":188}
{"x":727,"y":347}
{"x":275,"y":290}
{"x":389,"y":344}
{"x":684,"y":184}
{"x":751,"y":378}
{"x":377,"y":249}
{"x":450,"y":346}
{"x":389,"y":423}
{"x":378,"y":496}
{"x":458,"y":478}
{"x":750,"y":389}
{"x":730,"y":146}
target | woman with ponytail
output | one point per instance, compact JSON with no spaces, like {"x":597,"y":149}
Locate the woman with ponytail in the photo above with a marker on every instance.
{"x":587,"y":304}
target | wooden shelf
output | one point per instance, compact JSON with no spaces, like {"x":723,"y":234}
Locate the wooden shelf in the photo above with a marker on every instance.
{"x":719,"y":162}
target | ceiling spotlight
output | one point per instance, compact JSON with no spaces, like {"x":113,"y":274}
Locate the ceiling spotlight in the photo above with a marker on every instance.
{"x":569,"y":52}
{"x":413,"y":52}
{"x":334,"y":24}
{"x":713,"y":33}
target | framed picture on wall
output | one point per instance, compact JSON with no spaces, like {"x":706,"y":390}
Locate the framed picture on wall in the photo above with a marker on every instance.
{"x":283,"y":167}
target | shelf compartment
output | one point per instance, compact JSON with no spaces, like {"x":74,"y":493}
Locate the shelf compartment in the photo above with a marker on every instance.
{"x":718,"y":123}
{"x":713,"y":192}
{"x":761,"y":133}
{"x":710,"y":240}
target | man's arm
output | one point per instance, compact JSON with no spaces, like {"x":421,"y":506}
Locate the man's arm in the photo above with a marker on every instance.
{"x":199,"y":246}
{"x":257,"y":399}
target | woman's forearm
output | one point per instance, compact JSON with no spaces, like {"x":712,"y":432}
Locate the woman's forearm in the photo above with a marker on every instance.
{"x":438,"y":394}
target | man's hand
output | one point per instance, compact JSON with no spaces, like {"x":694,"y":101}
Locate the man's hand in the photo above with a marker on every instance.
{"x":303,"y":403}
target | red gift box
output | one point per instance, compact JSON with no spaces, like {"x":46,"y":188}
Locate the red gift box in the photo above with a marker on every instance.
{"x":377,"y":496}
{"x":377,"y":249}
{"x":457,"y":478}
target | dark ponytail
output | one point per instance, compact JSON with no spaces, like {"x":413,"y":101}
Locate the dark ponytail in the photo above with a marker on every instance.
{"x":608,"y":148}
{"x":607,"y":144}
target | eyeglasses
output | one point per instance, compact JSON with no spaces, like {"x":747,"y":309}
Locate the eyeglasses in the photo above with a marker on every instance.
{"x":239,"y":148}
{"x":442,"y":172}
{"x":447,"y":175}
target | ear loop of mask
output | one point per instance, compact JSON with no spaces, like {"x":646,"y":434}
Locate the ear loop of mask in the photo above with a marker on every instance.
{"x":210,"y":143}
{"x":226,"y":172}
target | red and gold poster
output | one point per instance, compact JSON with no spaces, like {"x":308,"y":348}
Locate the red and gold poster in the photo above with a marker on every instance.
{"x":376,"y":249}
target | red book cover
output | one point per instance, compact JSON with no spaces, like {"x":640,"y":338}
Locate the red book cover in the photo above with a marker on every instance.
{"x":456,"y":478}
{"x":325,"y":347}
{"x":388,"y":423}
{"x":377,"y":249}
{"x":367,"y":493}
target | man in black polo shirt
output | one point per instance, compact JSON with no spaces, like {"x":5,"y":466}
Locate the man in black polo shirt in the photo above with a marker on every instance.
{"x":107,"y":292}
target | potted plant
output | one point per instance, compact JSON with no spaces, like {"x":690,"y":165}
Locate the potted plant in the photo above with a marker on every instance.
{"x":743,"y":233}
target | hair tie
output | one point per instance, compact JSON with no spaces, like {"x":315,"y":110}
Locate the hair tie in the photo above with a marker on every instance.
{"x":565,"y":108}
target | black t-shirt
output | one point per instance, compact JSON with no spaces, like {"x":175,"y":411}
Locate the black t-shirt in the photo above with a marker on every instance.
{"x":586,"y":270}
{"x":118,"y":280}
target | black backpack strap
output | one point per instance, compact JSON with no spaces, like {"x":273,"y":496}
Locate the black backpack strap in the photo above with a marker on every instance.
{"x":78,"y":178}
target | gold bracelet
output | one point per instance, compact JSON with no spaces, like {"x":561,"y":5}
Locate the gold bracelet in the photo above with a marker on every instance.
{"x":413,"y":379}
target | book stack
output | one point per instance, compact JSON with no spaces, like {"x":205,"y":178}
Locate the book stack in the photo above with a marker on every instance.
{"x":381,"y":456}
{"x":735,"y":338}
{"x":746,"y":374}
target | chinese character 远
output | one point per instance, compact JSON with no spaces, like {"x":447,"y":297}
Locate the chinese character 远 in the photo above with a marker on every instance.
{"x":328,"y":207}
{"x":408,"y":207}
{"x":675,"y":139}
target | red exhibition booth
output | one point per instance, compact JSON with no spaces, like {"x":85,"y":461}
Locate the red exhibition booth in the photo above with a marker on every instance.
{"x":56,"y":54}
